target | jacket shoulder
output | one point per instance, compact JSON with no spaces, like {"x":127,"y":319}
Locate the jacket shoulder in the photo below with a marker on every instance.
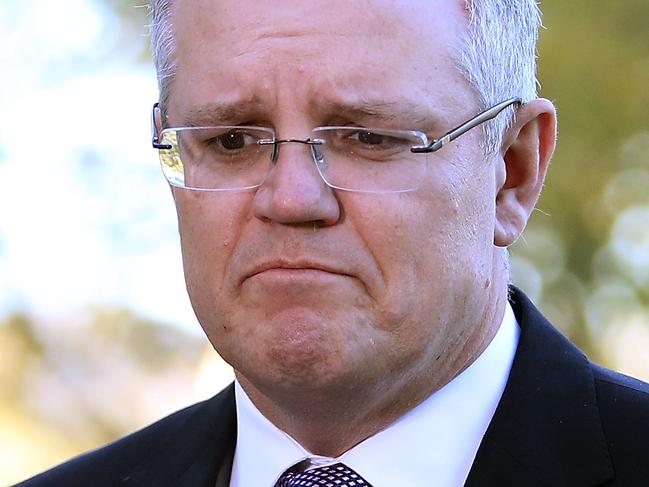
{"x":115,"y":463}
{"x":624,"y":411}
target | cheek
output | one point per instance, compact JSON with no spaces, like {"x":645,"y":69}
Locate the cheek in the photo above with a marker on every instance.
{"x":429,"y":243}
{"x":466,"y":231}
{"x":209,"y":226}
{"x":399,"y":233}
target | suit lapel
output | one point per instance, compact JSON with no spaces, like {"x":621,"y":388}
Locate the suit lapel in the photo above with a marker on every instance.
{"x":546,"y":430}
{"x":191,"y":454}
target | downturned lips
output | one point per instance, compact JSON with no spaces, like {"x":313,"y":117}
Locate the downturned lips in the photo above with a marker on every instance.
{"x":305,"y":265}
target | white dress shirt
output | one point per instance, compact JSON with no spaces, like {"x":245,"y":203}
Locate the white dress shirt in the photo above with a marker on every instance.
{"x":432,"y":445}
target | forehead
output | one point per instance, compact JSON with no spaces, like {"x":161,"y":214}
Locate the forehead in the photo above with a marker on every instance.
{"x":315,"y":50}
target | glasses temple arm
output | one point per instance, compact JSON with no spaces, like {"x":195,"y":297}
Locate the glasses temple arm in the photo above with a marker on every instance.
{"x":453,"y":134}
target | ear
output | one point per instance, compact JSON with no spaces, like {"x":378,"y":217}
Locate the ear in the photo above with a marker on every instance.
{"x":156,"y":118}
{"x":525,"y":156}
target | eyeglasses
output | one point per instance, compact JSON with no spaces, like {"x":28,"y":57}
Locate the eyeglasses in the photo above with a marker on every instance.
{"x":361,"y":159}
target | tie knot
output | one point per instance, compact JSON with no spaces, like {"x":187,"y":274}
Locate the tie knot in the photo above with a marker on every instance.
{"x":336,"y":475}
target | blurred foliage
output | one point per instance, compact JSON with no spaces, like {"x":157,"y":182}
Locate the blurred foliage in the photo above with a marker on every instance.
{"x":69,"y":386}
{"x":594,"y":64}
{"x":134,"y":25}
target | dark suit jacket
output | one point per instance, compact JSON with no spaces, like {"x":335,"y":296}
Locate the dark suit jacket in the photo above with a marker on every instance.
{"x":562,"y":421}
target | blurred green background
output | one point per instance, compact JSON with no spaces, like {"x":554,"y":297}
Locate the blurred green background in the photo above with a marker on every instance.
{"x":74,"y":381}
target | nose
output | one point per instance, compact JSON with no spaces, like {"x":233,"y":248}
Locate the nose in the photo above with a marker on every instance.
{"x":294,"y":193}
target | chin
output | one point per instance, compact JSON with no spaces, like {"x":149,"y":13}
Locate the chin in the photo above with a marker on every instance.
{"x":294,"y":347}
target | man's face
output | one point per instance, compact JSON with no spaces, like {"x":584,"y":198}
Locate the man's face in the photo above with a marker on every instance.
{"x":298,"y":284}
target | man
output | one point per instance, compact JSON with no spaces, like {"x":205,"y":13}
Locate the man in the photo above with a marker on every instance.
{"x":345,"y":251}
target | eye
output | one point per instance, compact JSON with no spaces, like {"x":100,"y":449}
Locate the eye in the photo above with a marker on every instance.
{"x":366,"y":143}
{"x":376,"y":140}
{"x":235,"y":140}
{"x":370,"y":138}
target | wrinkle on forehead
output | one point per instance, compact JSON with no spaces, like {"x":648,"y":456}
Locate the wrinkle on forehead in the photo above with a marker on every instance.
{"x":292,"y":34}
{"x":247,"y":27}
{"x":297,"y":51}
{"x":308,"y":18}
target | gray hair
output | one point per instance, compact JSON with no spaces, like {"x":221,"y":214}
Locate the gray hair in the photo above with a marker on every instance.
{"x":498,"y":56}
{"x":164,"y":47}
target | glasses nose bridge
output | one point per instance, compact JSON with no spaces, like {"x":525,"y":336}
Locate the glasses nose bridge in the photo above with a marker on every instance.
{"x":309,"y":142}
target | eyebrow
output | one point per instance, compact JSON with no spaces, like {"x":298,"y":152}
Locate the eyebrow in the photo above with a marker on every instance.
{"x":415,"y":115}
{"x":408,"y":113}
{"x":221,"y":113}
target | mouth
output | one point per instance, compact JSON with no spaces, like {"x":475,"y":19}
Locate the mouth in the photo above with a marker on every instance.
{"x":305,"y":269}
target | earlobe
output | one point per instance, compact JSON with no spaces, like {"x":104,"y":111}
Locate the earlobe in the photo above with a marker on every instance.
{"x":526,"y":151}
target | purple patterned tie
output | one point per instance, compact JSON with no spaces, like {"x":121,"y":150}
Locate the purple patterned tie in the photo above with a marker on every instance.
{"x":336,"y":475}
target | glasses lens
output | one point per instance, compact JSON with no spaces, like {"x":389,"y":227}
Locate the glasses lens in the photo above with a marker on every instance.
{"x":372,"y":160}
{"x":216,"y":158}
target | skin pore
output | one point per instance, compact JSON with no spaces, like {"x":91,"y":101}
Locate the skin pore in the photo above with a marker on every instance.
{"x":340,"y":311}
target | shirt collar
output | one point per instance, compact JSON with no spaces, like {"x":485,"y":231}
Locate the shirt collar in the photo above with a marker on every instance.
{"x":442,"y":434}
